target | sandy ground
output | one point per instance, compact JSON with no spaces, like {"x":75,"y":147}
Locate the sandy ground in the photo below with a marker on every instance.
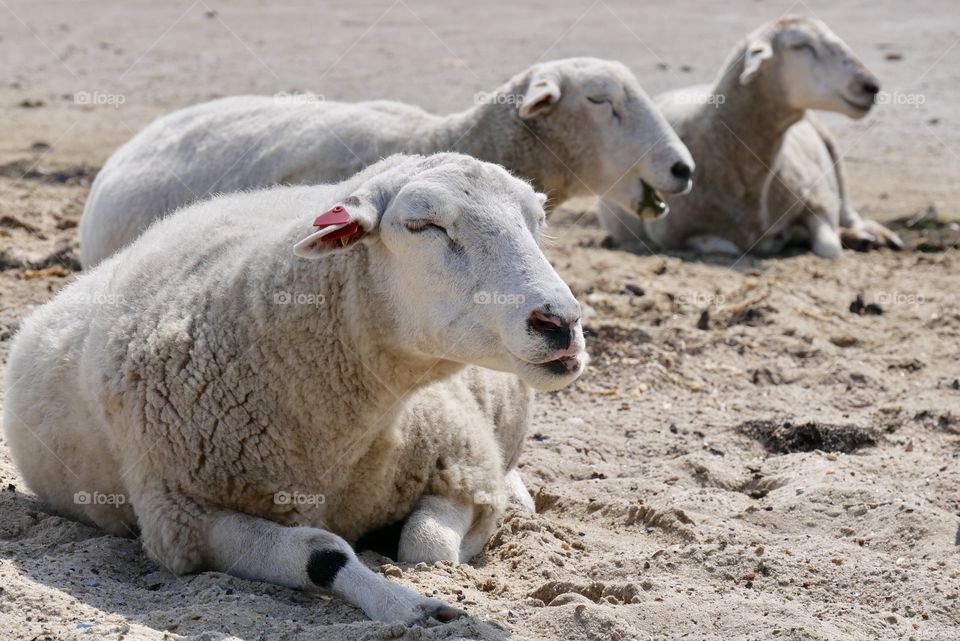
{"x":752,"y":455}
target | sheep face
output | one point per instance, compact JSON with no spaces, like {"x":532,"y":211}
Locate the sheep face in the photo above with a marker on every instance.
{"x":454,"y":248}
{"x":811,"y":67}
{"x":614,"y":138}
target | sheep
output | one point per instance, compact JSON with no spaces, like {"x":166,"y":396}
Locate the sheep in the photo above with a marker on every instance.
{"x":768,"y":171}
{"x":204,"y":371}
{"x":574,"y":127}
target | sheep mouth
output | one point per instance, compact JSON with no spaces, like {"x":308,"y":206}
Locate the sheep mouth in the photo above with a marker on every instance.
{"x":563,"y":366}
{"x":653,"y":205}
{"x":859,"y":106}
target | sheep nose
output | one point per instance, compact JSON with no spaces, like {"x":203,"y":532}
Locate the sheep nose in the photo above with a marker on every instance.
{"x":557,"y":332}
{"x":681,"y":170}
{"x":871,"y":88}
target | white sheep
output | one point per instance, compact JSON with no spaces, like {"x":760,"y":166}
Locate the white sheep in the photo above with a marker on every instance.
{"x":186,"y":385}
{"x":766,"y":169}
{"x":575,"y":127}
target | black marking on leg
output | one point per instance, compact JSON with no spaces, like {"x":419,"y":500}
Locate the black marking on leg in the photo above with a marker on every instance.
{"x":323,"y":566}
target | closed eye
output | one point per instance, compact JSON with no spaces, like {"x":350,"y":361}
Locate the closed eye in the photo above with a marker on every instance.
{"x":601,"y":101}
{"x":805,"y":46}
{"x":420,"y":226}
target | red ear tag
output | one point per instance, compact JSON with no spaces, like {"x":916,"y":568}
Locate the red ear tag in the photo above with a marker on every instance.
{"x":336,"y":216}
{"x":345,"y":234}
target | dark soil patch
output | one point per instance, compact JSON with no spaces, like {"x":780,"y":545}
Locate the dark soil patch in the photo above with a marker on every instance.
{"x":945,"y":422}
{"x":785,"y":437}
{"x":927,"y":231}
{"x":64,"y":257}
{"x":606,"y":341}
{"x":752,"y":316}
{"x":29,"y":170}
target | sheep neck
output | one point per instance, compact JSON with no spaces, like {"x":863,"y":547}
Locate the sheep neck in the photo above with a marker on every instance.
{"x":351,"y":326}
{"x":751,"y":122}
{"x":494,"y":132}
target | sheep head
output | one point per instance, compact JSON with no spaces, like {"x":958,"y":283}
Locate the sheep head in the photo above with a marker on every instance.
{"x":809,"y":67}
{"x":595,"y":118}
{"x":452,"y":246}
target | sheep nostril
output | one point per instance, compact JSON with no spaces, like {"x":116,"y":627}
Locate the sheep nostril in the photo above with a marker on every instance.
{"x":871,"y":88}
{"x":557,"y":332}
{"x":681,"y":170}
{"x":544,"y":323}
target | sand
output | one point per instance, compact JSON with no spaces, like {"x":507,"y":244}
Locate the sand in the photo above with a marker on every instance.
{"x":752,"y":455}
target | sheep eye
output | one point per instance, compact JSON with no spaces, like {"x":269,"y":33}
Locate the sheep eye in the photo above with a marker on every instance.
{"x":420,"y":226}
{"x":805,"y":46}
{"x":601,"y":101}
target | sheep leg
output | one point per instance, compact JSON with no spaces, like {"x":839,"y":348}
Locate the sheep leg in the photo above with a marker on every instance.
{"x":824,"y":238}
{"x":706,"y":244}
{"x":306,"y":557}
{"x":517,"y":492}
{"x":865,"y":234}
{"x":855,"y":232}
{"x":435,"y":530}
{"x":857,"y":238}
{"x":862,"y":234}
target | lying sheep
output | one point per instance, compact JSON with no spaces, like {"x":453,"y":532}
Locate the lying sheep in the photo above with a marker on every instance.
{"x":174,"y":376}
{"x":575,"y":127}
{"x":767,"y":169}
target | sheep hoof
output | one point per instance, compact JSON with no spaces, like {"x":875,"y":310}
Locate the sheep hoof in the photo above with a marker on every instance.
{"x":890,"y":238}
{"x":431,"y":611}
{"x":408,"y":608}
{"x":871,"y":235}
{"x":441,"y":612}
{"x":857,"y":239}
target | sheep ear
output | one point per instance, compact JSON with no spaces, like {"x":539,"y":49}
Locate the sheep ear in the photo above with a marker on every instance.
{"x":756,"y":54}
{"x":542,"y":94}
{"x":340,"y":227}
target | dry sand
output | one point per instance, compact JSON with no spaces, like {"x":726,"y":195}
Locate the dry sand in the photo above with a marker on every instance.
{"x":749,"y":457}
